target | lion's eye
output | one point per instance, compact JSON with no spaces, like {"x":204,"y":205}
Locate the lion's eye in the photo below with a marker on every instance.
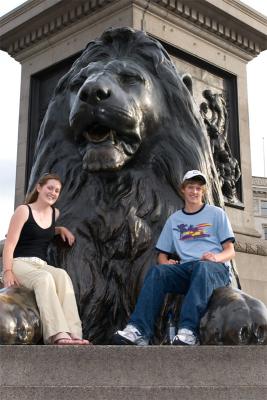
{"x":130,"y":79}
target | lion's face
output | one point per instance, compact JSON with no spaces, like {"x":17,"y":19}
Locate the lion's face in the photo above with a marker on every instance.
{"x":112,"y":106}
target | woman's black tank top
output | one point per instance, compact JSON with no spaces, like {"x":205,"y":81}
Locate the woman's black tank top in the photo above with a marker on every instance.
{"x":34,"y":240}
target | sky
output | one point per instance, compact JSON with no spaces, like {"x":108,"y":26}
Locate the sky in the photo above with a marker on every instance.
{"x":9,"y":114}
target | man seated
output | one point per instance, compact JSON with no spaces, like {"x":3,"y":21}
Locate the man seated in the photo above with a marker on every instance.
{"x":203,"y":238}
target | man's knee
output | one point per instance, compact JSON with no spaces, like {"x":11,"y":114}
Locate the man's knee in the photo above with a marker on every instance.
{"x":159,"y":270}
{"x":203,"y":267}
{"x":207,"y":269}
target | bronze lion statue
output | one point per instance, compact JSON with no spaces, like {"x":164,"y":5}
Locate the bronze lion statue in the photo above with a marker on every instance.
{"x":121,"y":130}
{"x":234,"y":318}
{"x":19,"y":317}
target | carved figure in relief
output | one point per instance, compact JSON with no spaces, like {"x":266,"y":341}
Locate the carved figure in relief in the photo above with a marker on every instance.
{"x":215,"y":115}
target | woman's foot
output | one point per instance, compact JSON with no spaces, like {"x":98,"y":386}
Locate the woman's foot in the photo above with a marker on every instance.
{"x":71,"y":342}
{"x":85,"y":341}
{"x":64,"y":338}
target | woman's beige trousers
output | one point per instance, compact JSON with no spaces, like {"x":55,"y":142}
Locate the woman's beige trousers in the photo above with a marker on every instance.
{"x":54,"y":296}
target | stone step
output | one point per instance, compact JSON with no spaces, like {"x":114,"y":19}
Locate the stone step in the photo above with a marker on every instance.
{"x":116,"y":372}
{"x":133,"y":393}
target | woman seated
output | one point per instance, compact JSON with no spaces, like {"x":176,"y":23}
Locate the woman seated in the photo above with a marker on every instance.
{"x":31,"y":229}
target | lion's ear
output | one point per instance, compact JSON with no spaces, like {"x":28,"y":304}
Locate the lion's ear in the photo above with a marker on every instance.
{"x":187,"y":80}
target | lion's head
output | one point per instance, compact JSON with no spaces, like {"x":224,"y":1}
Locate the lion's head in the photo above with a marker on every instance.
{"x":121,"y":130}
{"x":123,"y":100}
{"x":113,"y":111}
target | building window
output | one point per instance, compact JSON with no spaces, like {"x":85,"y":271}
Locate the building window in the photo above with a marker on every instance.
{"x":264,"y":208}
{"x":265,"y":232}
{"x":256,"y":206}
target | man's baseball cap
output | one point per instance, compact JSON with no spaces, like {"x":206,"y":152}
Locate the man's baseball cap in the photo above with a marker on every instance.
{"x":195,"y":174}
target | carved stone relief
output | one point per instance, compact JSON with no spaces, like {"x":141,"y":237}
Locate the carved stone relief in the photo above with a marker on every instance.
{"x":216,"y":117}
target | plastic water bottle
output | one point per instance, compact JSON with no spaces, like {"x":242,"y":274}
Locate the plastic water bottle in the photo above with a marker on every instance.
{"x":171,"y":329}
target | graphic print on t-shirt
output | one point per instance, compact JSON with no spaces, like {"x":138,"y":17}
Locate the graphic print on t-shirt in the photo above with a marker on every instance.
{"x":192,"y":232}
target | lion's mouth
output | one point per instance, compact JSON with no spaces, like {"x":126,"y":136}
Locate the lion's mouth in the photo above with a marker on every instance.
{"x":100,"y":135}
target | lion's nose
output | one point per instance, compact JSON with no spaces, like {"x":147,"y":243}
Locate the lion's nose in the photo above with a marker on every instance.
{"x":94,"y":93}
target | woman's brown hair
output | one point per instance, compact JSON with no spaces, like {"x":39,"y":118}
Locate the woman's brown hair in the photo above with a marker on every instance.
{"x":33,"y":195}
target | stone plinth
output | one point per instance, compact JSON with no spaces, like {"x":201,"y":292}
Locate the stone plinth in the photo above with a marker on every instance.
{"x":153,"y":372}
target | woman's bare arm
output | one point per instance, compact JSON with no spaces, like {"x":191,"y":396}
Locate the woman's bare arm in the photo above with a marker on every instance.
{"x":17,"y":221}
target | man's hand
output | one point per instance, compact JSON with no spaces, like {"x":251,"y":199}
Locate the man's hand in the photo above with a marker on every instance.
{"x":227,"y":254}
{"x":208,"y":256}
{"x":171,"y":261}
{"x":163,"y":259}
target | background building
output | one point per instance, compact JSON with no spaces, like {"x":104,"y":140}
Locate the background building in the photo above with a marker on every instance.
{"x":259,"y":187}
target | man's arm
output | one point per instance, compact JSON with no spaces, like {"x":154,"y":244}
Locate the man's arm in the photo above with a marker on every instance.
{"x":226,"y":255}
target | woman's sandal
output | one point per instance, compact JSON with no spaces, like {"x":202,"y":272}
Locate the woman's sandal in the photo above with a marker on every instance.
{"x":71,"y":342}
{"x":84,"y":341}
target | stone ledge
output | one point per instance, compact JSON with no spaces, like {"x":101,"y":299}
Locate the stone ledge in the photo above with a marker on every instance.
{"x":135,"y":393}
{"x":129,"y":372}
{"x":190,"y":11}
{"x":250,"y":245}
{"x":156,"y":366}
{"x":52,"y":20}
{"x":257,"y":249}
{"x":18,"y":34}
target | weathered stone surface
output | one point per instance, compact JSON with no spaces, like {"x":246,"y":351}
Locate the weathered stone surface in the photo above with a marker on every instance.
{"x":154,"y":372}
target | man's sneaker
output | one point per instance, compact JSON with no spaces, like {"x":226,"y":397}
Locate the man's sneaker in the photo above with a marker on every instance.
{"x":129,"y":336}
{"x":185,"y":337}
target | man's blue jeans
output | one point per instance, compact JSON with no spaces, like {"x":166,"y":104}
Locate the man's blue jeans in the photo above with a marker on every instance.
{"x":196,"y":280}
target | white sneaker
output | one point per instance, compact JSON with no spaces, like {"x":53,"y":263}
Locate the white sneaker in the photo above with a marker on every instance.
{"x":131,"y":336}
{"x":185,"y":337}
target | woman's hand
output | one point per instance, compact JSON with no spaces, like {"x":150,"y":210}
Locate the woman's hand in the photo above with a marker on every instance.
{"x":65,"y":234}
{"x":9,"y":279}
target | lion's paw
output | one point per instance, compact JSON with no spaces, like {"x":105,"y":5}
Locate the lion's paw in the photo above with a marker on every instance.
{"x":234,"y":318}
{"x":19,"y":317}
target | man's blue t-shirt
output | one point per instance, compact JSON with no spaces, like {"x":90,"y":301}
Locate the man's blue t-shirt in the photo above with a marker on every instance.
{"x":191,"y":235}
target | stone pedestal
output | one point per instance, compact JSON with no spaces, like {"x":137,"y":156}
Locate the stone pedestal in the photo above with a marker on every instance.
{"x":131,"y":373}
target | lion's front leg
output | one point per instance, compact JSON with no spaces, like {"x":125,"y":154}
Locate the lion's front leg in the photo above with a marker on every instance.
{"x":234,"y":318}
{"x":19,"y":317}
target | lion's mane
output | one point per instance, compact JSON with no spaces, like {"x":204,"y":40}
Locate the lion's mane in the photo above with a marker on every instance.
{"x":118,"y":213}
